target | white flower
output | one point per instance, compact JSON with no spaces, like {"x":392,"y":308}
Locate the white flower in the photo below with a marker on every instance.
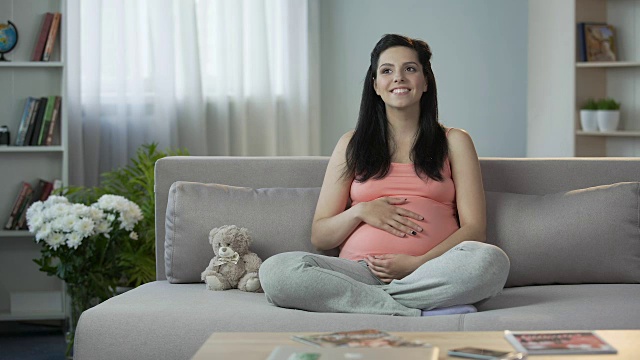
{"x":35,"y":222}
{"x":34,"y":209}
{"x":84,"y":227}
{"x":54,"y":240}
{"x":103,"y":227}
{"x":43,"y":233}
{"x":108,"y":202}
{"x":95,"y":213}
{"x":55,"y":199}
{"x":59,"y":222}
{"x":74,"y":240}
{"x":56,"y":210}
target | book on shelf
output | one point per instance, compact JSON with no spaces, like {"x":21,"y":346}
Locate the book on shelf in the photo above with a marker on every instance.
{"x":301,"y":353}
{"x":24,"y":122}
{"x":32,"y":119}
{"x":37,"y":121}
{"x":40,"y":193}
{"x":582,"y":49}
{"x":21,"y":217}
{"x":599,"y":42}
{"x":51,"y":38}
{"x":38,"y":50}
{"x":17,"y":204}
{"x":42,"y":190}
{"x":558,"y":343}
{"x":358,"y":338}
{"x":55,"y":118}
{"x":46,"y":120}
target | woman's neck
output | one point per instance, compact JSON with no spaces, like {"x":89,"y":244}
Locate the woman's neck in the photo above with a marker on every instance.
{"x":403,"y":122}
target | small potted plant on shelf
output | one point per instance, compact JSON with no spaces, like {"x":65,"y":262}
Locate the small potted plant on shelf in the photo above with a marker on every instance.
{"x":608,"y":114}
{"x":588,"y":116}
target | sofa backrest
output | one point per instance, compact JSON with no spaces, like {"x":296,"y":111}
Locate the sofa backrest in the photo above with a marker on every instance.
{"x":501,"y":175}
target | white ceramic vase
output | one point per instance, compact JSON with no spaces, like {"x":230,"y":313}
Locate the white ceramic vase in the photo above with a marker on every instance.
{"x":588,"y":120}
{"x":608,"y":120}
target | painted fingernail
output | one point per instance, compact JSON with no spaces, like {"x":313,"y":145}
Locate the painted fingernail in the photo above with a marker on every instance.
{"x":419,"y":229}
{"x":421,"y":218}
{"x":413,"y":232}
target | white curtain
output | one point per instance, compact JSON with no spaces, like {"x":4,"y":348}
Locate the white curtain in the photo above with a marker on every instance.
{"x":217,"y":77}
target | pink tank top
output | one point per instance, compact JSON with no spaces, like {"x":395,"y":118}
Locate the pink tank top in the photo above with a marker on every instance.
{"x":432,"y":199}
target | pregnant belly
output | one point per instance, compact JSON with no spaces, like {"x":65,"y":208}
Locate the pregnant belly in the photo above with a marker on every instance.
{"x":438,"y":224}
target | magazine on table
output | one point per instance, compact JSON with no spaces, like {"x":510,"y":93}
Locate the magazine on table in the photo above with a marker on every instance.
{"x":307,"y":353}
{"x":358,"y":338}
{"x":558,"y":343}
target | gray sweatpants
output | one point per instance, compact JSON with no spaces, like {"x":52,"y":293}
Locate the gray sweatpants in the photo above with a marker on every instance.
{"x":468,"y":273}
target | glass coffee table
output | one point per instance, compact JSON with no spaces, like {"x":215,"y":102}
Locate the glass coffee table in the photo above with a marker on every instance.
{"x":258,"y":346}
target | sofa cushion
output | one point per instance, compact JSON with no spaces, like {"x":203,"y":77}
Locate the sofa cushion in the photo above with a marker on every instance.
{"x":588,"y":235}
{"x":278,"y":220}
{"x":159,"y":320}
{"x":559,"y":307}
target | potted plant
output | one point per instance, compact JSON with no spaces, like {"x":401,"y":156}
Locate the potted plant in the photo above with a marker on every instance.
{"x":81,"y":244}
{"x":608,"y":114}
{"x":588,"y":116}
{"x":136,"y":257}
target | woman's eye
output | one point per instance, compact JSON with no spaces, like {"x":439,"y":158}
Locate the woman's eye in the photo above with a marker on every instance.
{"x":386,"y":71}
{"x":411,"y":69}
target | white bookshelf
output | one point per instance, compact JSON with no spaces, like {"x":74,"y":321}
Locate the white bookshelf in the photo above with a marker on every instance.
{"x":558,"y":84}
{"x":21,"y":78}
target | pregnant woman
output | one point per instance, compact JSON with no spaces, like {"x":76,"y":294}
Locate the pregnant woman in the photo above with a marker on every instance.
{"x":402,"y":199}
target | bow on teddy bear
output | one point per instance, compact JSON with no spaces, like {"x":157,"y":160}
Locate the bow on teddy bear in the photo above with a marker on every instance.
{"x":233,"y":265}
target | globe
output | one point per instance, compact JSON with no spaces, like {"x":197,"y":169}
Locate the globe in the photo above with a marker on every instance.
{"x":8,"y":38}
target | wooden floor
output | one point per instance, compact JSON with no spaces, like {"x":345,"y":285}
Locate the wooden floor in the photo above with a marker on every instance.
{"x":31,"y":341}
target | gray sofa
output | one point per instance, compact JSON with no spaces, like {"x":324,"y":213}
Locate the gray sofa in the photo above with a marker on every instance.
{"x":575,"y":254}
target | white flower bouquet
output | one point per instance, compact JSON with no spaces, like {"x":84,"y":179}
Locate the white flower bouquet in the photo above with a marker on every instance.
{"x":58,"y":222}
{"x":80,"y":245}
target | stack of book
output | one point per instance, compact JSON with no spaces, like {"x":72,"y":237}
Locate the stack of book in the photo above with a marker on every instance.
{"x":27,"y":196}
{"x":47,"y":37}
{"x":596,"y":42}
{"x":39,"y":119}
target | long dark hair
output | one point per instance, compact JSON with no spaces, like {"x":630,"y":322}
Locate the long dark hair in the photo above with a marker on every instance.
{"x":368,"y":153}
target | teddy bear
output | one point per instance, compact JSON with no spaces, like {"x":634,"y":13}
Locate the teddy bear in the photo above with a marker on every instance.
{"x":233,"y":265}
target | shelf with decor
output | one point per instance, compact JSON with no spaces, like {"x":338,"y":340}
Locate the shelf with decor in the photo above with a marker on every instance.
{"x":619,"y":133}
{"x":20,"y":149}
{"x":26,"y":293}
{"x":567,"y":69}
{"x":15,"y":234}
{"x":608,"y":64}
{"x":32,"y":64}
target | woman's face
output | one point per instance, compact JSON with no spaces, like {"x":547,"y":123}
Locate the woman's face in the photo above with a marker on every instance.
{"x":399,"y":78}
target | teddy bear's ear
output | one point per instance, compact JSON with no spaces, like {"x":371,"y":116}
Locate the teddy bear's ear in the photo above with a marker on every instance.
{"x":245,"y":233}
{"x":212,"y":234}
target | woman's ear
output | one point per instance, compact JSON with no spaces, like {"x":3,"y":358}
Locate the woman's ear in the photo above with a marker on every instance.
{"x":375,"y":85}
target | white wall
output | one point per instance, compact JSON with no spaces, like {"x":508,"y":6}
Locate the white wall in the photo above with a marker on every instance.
{"x":479,"y":60}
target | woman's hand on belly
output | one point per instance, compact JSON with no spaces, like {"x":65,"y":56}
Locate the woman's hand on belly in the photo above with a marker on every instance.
{"x":384,"y":214}
{"x":389,"y":267}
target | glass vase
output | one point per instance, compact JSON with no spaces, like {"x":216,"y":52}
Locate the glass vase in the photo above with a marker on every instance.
{"x":79,"y":301}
